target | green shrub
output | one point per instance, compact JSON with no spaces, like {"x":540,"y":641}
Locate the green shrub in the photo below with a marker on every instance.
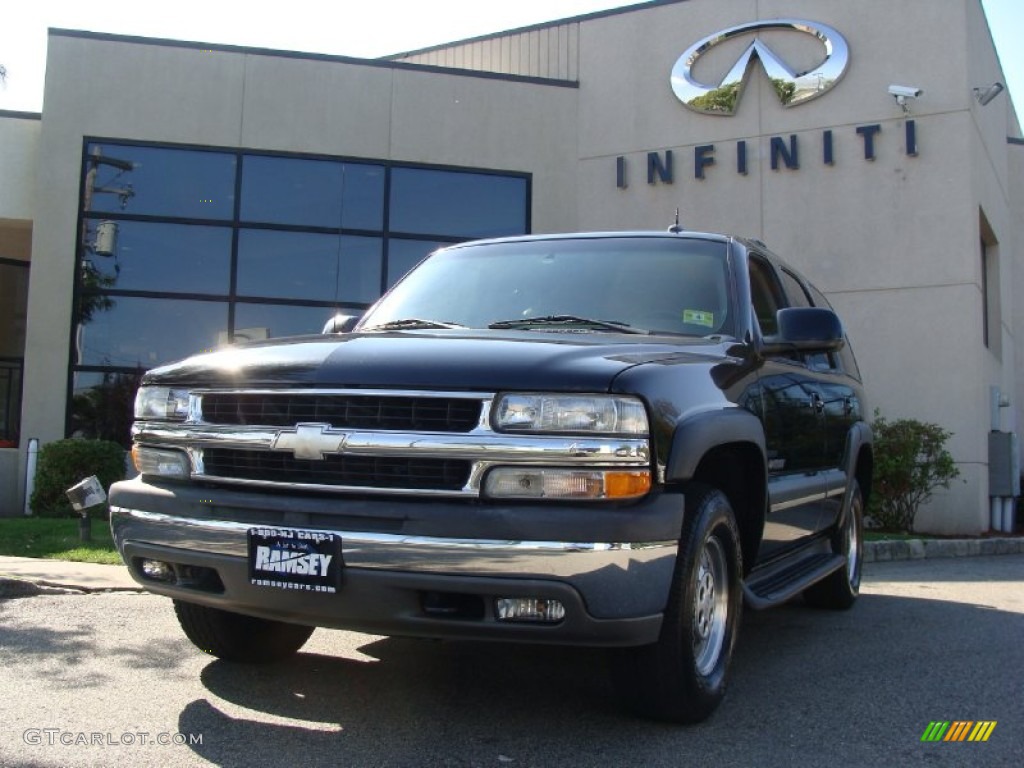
{"x":911,"y":461}
{"x":64,"y":463}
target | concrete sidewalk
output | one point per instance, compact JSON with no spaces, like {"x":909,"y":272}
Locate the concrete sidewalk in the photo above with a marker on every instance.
{"x":81,"y":577}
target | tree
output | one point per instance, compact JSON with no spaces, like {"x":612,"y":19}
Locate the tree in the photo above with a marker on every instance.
{"x":721,"y":100}
{"x":786,"y":89}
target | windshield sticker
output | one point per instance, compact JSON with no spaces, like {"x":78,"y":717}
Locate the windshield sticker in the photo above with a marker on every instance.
{"x":699,"y":317}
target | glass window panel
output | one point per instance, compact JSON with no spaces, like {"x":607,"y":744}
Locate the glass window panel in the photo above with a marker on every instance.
{"x":127,"y":331}
{"x":286,"y":190}
{"x":13,"y":308}
{"x":361,"y":267}
{"x":315,"y":193}
{"x":159,"y":181}
{"x":254,"y":322}
{"x":310,"y":266}
{"x":403,"y":255}
{"x":102,"y":405}
{"x":143,"y":256}
{"x":10,"y":401}
{"x":456,"y":203}
{"x":362,"y":197}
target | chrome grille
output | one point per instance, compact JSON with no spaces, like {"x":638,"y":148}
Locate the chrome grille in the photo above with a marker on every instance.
{"x":396,"y":442}
{"x":342,"y":411}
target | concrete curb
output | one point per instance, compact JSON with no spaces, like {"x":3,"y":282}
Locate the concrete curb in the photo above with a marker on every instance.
{"x":927,"y":549}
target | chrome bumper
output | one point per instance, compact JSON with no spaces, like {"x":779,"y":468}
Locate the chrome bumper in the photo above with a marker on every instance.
{"x":611,"y":581}
{"x":479,"y":557}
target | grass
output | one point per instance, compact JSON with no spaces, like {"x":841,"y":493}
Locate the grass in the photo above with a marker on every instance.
{"x":57,"y":539}
{"x":887,"y":536}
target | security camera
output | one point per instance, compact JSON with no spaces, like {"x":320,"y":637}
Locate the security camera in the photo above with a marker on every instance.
{"x":905,"y":92}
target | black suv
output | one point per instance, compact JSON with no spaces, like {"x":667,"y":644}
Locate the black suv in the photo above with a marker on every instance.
{"x":596,"y":439}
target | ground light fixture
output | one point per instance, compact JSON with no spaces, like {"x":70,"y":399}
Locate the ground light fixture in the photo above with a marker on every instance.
{"x":987,"y":94}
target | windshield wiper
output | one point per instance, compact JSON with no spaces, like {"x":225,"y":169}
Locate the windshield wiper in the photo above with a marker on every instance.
{"x":567,"y":321}
{"x":411,"y":323}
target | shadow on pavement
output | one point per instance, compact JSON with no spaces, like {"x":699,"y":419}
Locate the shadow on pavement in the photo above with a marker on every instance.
{"x":809,"y":687}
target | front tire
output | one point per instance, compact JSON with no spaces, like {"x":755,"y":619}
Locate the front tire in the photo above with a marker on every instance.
{"x":839,"y":590}
{"x":682,"y":678}
{"x":234,"y":637}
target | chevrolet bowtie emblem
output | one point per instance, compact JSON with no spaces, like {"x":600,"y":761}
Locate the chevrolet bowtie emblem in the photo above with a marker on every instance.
{"x":310,"y":441}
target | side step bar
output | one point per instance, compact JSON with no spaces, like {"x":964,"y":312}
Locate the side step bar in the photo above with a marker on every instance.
{"x":779,"y":585}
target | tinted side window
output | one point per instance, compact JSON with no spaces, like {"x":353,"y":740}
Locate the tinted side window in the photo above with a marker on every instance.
{"x":765,"y":295}
{"x":795,"y":290}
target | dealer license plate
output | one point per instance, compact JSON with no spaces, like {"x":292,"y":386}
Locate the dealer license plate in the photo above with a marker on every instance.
{"x":289,"y":558}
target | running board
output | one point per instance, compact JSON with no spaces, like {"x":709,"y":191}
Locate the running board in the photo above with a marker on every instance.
{"x":779,"y":585}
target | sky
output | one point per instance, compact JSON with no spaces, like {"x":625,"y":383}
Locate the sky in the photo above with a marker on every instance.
{"x":360,"y":28}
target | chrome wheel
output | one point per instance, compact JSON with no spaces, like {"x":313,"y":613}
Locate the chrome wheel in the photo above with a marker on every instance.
{"x":710,"y":606}
{"x":683,"y":676}
{"x":839,"y":590}
{"x":852,"y":551}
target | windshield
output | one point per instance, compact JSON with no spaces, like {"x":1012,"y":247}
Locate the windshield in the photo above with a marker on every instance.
{"x":609,"y":284}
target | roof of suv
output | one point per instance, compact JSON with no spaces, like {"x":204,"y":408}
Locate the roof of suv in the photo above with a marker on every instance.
{"x":688,"y":234}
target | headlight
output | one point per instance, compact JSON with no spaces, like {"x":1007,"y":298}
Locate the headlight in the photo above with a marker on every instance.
{"x":605,"y":414}
{"x":161,"y":403}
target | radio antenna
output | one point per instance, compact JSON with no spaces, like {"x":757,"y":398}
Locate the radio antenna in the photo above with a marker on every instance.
{"x":676,"y":228}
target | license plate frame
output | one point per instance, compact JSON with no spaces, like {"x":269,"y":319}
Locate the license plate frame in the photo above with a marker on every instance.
{"x":294,"y":559}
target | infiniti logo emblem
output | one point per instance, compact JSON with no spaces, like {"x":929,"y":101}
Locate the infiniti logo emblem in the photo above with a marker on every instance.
{"x":792,"y":87}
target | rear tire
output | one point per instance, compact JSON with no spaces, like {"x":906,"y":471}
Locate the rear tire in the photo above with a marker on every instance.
{"x":839,"y":590}
{"x":682,"y":678}
{"x":234,"y":637}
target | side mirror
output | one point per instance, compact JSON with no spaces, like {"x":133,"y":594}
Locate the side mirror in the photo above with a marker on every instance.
{"x":340,"y":324}
{"x":806,"y":329}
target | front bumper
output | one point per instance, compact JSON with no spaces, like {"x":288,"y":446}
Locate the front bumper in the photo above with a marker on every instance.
{"x":403,"y":556}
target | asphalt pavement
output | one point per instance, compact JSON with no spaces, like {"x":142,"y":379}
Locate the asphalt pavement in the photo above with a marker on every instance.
{"x":97,"y":678}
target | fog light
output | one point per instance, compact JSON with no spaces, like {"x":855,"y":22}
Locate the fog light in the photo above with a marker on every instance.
{"x":152,"y":461}
{"x":539,"y":609}
{"x":156,"y":570}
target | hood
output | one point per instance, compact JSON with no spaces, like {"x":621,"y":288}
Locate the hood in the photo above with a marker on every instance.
{"x":435,"y":360}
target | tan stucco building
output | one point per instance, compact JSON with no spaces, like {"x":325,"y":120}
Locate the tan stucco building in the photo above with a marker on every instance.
{"x":909,"y":216}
